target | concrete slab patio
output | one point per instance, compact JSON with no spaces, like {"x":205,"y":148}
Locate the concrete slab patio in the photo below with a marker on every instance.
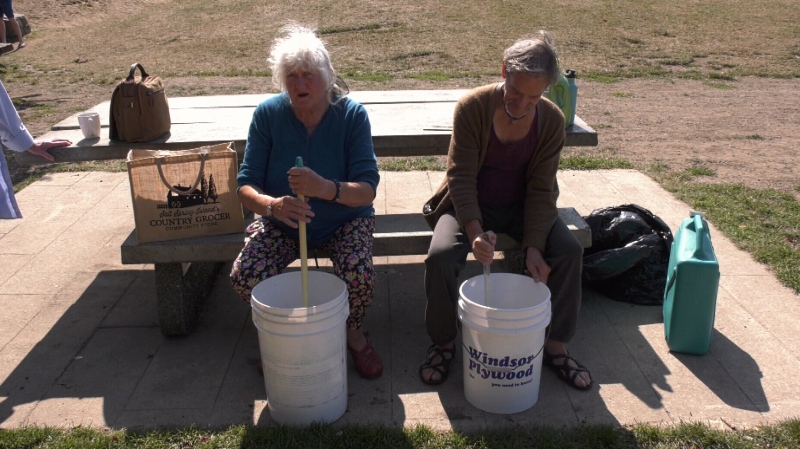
{"x":80,"y":344}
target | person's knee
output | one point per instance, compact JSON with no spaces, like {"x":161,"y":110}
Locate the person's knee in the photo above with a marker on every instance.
{"x":438,"y":260}
{"x":567,"y":250}
{"x":572,"y":249}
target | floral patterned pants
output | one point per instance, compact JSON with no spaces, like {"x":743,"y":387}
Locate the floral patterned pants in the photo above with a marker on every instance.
{"x":268,"y":251}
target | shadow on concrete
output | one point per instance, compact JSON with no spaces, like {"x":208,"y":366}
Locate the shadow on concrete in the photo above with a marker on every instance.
{"x":626,"y":339}
{"x":104,"y":361}
{"x":731,"y":373}
{"x":37,"y":376}
{"x":619,"y":350}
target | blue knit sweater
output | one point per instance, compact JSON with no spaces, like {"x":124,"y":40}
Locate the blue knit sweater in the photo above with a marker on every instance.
{"x":339,"y":149}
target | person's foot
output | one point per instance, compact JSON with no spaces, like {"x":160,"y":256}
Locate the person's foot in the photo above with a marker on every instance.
{"x":21,"y":45}
{"x":566,"y":367}
{"x":367,"y":362}
{"x":436,"y":367}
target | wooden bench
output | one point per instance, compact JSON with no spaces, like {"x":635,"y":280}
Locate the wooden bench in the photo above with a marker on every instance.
{"x":185,"y":269}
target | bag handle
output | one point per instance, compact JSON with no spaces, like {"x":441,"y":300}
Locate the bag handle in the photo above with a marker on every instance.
{"x":699,"y":234}
{"x":203,"y":156}
{"x":133,"y":72}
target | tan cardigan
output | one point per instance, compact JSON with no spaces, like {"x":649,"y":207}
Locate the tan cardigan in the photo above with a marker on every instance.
{"x":472,"y":123}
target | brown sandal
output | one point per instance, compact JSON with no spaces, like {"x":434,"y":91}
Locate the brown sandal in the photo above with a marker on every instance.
{"x":563,"y":369}
{"x":446,"y":355}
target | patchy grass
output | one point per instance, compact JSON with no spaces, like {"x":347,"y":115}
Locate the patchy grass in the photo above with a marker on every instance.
{"x":33,"y":173}
{"x":763,"y":222}
{"x":686,"y":435}
{"x":582,"y":162}
{"x":609,"y":41}
{"x":581,"y":158}
{"x":423,"y":163}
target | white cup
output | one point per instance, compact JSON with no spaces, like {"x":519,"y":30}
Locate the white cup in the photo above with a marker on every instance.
{"x":90,"y":124}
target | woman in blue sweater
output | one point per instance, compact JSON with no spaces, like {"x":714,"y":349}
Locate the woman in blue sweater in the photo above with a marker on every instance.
{"x":312,"y":119}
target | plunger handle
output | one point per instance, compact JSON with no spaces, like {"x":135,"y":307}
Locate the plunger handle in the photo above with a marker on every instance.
{"x":303,"y":246}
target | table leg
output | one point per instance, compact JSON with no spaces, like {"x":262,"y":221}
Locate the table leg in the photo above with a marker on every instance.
{"x":181,"y":290}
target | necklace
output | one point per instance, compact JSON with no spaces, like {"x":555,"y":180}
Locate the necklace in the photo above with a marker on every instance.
{"x":510,"y":116}
{"x":508,"y":113}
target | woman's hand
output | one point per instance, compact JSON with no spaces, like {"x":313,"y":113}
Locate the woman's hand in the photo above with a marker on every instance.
{"x":42,"y":148}
{"x":535,"y":265}
{"x":483,"y":247}
{"x":290,"y":210}
{"x":305,"y":181}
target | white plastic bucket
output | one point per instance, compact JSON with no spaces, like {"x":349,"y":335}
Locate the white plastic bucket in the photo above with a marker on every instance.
{"x":502,"y":344}
{"x":303,"y":348}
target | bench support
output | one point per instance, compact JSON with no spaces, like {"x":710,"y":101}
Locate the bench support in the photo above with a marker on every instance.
{"x":181,"y":290}
{"x":181,"y":287}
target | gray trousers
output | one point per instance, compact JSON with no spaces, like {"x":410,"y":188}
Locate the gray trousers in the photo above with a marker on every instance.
{"x":447,"y":256}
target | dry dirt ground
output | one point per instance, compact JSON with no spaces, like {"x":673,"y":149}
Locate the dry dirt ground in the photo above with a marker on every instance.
{"x":744,"y":131}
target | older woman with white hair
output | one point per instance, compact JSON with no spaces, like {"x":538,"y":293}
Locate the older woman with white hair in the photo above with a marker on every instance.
{"x":311,"y":118}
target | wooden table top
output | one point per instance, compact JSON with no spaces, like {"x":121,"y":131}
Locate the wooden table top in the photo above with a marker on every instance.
{"x":404,"y":123}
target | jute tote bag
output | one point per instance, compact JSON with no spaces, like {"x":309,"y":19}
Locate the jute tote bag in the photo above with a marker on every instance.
{"x":186,"y":193}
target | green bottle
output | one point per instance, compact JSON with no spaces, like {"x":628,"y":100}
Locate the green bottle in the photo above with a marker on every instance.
{"x":564,"y":93}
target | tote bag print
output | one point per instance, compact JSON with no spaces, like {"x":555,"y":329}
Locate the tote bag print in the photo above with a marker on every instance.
{"x":181,"y":194}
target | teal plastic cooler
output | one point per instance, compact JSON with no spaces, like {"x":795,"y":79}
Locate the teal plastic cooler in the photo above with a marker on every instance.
{"x":690,"y":296}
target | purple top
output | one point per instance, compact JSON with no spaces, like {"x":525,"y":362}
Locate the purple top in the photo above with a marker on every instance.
{"x":502,"y":179}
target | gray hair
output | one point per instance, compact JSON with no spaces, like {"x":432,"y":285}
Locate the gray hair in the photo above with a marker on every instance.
{"x":534,"y":55}
{"x":298,"y":47}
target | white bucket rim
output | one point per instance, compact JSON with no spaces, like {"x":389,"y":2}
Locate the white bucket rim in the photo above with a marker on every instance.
{"x":301,"y":314}
{"x":467,"y":315}
{"x":489,"y":309}
{"x":507,"y":331}
{"x":297,"y":311}
{"x":289,"y":326}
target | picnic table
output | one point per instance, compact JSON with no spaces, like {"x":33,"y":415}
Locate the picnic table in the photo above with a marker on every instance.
{"x":404,"y":123}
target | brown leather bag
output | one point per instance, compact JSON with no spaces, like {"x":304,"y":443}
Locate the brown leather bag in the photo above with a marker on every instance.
{"x":139,"y":108}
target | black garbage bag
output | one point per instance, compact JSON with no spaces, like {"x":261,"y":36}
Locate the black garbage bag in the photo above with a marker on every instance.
{"x":629,"y":255}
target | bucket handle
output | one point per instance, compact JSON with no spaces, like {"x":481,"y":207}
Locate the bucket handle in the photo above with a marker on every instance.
{"x":508,"y":370}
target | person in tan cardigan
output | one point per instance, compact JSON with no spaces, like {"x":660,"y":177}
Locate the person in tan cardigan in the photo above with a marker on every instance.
{"x":501,"y":177}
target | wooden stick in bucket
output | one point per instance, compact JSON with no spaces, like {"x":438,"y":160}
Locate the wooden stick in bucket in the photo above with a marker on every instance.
{"x":487,"y":274}
{"x":303,"y":247}
{"x":486,"y":278}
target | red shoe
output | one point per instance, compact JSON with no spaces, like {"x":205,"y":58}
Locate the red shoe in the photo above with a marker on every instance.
{"x":368,"y":362}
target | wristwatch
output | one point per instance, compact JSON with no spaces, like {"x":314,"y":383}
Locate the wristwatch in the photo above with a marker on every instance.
{"x":269,"y":209}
